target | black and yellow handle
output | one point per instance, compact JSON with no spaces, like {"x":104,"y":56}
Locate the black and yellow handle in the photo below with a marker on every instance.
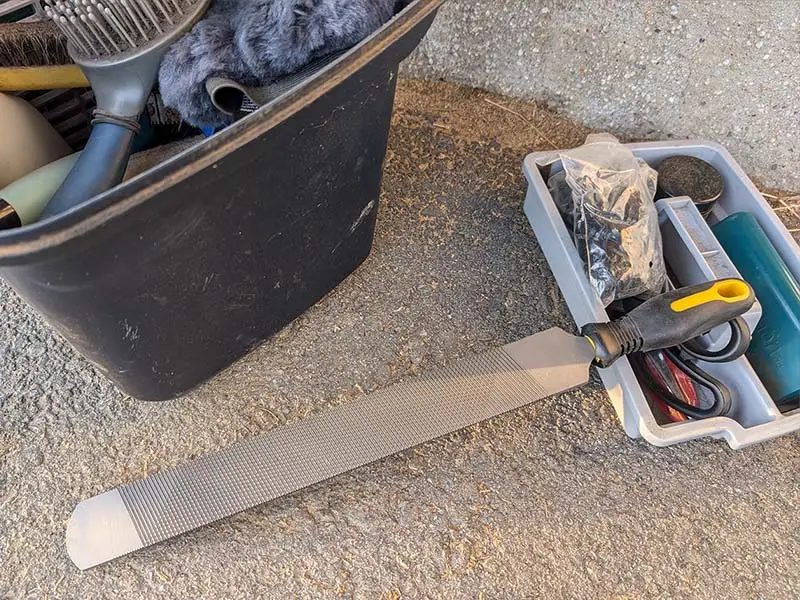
{"x":670,"y":319}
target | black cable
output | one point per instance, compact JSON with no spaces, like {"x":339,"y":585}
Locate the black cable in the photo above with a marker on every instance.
{"x":736,"y":347}
{"x":720,"y":392}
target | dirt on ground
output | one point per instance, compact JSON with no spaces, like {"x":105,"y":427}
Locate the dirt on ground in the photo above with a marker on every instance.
{"x":552,"y":501}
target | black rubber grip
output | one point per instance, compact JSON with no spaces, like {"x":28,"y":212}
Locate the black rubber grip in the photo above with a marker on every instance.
{"x":100,"y":167}
{"x":670,"y":319}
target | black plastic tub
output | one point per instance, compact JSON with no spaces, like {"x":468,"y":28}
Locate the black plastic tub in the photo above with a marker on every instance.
{"x":168,"y":279}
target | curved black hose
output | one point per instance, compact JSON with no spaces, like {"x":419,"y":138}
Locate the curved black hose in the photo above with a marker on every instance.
{"x":720,"y":392}
{"x":736,"y":347}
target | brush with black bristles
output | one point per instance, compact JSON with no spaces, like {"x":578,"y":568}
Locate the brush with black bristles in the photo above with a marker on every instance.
{"x":119,"y":45}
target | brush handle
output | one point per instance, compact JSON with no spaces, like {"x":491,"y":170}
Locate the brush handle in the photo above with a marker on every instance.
{"x":101,"y":166}
{"x":49,"y":77}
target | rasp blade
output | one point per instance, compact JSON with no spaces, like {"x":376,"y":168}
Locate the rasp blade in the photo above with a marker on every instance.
{"x":289,"y":458}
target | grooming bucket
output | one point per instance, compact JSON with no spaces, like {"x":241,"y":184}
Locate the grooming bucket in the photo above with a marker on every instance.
{"x":164,"y":281}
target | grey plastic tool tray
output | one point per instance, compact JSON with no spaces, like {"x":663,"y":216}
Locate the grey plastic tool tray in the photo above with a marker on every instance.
{"x":754,"y":417}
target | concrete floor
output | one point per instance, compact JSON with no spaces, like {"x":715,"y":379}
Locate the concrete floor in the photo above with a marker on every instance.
{"x":727,"y":70}
{"x":552,"y":501}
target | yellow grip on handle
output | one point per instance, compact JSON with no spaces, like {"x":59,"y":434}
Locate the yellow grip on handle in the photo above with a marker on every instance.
{"x":670,"y":319}
{"x":725,"y":290}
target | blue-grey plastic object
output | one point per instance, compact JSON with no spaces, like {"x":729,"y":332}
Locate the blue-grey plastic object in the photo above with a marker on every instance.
{"x":775,"y":349}
{"x":100,"y":167}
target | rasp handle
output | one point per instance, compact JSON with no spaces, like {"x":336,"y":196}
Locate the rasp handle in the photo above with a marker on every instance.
{"x":670,"y":319}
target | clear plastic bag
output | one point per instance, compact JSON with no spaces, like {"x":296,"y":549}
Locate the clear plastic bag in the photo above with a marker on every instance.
{"x":606,"y":197}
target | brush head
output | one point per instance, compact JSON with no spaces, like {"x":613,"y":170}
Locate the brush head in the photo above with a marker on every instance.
{"x":111,"y":30}
{"x":35,"y":44}
{"x":119,"y":44}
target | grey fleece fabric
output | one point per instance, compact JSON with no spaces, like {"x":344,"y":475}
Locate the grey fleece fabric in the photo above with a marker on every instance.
{"x":256,"y":41}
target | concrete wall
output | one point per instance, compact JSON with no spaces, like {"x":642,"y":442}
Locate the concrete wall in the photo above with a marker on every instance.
{"x":723,"y":70}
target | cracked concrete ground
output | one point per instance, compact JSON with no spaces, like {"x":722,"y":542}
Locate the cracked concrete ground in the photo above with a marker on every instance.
{"x":552,"y":501}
